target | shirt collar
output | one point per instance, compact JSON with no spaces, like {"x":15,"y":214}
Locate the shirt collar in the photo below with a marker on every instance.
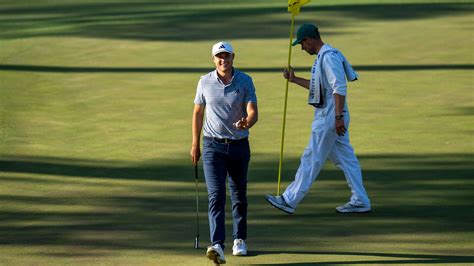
{"x":323,"y":48}
{"x":234,"y":74}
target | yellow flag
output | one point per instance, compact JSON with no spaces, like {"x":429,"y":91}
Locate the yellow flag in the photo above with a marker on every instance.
{"x":294,"y":5}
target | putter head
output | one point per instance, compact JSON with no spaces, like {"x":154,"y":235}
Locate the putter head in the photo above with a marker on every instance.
{"x":196,"y":242}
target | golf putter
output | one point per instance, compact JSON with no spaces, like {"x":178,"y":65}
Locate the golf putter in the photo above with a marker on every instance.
{"x":196,"y":240}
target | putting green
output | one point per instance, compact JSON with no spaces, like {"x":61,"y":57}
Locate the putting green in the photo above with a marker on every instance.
{"x":95,"y":112}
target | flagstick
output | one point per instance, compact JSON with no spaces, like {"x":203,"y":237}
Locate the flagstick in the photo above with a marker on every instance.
{"x":286,"y":100}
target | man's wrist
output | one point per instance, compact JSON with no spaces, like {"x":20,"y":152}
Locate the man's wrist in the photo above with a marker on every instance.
{"x":339,"y":117}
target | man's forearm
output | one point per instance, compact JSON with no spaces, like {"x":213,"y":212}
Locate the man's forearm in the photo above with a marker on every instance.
{"x":252,"y":114}
{"x":198,"y":118}
{"x":302,"y":82}
{"x":252,"y":119}
{"x":197,"y":127}
{"x":339,"y":104}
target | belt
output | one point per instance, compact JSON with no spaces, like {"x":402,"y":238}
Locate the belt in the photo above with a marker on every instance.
{"x":225,"y":140}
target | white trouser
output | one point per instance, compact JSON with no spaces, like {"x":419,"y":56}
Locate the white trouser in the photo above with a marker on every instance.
{"x":324,"y":143}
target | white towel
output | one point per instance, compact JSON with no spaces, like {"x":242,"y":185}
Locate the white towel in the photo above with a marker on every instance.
{"x":316,"y":90}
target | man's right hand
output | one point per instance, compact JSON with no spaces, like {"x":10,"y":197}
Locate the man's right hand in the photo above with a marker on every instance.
{"x":289,"y":74}
{"x":195,"y":154}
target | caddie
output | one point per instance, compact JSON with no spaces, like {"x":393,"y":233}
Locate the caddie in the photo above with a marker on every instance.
{"x":329,"y":136}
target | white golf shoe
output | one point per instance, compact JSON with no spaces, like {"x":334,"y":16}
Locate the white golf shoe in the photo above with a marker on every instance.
{"x":352,"y":208}
{"x":279,"y":203}
{"x":239,"y":248}
{"x":216,"y":254}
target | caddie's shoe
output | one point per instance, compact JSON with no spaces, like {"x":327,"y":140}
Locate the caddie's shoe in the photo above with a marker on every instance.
{"x":239,"y":248}
{"x":216,"y":254}
{"x":279,"y":203}
{"x":351,"y":208}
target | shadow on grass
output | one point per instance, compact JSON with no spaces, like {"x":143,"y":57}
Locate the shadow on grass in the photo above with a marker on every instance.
{"x":263,"y":167}
{"x":394,"y":258}
{"x":199,"y":20}
{"x":65,"y":69}
{"x":468,"y":111}
{"x":101,"y":206}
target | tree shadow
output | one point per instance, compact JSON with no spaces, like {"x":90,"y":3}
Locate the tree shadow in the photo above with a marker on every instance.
{"x":151,"y":206}
{"x":462,"y":111}
{"x":394,"y":258}
{"x":153,"y":70}
{"x":194,"y":20}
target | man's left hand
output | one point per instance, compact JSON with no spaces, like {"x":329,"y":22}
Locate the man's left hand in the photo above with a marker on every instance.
{"x":340,"y":127}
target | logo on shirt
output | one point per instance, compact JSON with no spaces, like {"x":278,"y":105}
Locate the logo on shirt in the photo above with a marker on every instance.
{"x":237,"y":91}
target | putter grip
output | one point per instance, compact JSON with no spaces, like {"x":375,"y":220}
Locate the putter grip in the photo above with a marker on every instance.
{"x":196,"y":171}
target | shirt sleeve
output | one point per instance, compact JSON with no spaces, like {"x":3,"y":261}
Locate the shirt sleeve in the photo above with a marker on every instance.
{"x":251,"y":96}
{"x":199,"y":98}
{"x":334,"y":71}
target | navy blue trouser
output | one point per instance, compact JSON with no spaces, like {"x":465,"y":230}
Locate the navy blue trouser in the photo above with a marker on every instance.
{"x":222,"y":160}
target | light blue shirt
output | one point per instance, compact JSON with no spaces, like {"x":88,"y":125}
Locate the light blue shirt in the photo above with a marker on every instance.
{"x":225,"y":104}
{"x":333,"y":78}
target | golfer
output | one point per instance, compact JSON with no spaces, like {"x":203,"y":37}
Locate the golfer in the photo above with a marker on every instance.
{"x":329,"y":137}
{"x":227,"y":98}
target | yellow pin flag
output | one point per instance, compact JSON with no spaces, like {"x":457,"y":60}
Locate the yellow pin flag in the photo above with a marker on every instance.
{"x":294,"y":8}
{"x":294,"y":5}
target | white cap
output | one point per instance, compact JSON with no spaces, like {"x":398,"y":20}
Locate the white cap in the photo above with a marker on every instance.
{"x":222,"y":47}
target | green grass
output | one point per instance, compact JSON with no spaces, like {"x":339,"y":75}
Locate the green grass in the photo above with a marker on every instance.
{"x":95,"y":115}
